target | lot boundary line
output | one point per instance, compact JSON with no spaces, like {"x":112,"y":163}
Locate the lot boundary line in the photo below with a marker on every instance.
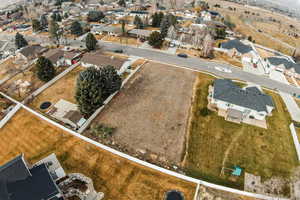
{"x":51,"y":82}
{"x":295,"y":139}
{"x":144,"y":163}
{"x":95,"y":114}
{"x":9,"y":115}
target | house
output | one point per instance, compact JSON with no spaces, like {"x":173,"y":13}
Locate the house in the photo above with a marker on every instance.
{"x":45,"y":180}
{"x":112,"y":31}
{"x":60,"y":57}
{"x":238,"y":104}
{"x":141,"y":14}
{"x":31,"y":52}
{"x":209,"y":15}
{"x":20,"y":181}
{"x":140,"y":33}
{"x":236,"y":48}
{"x":67,"y":113}
{"x":284,"y":65}
{"x":56,"y":56}
{"x":99,"y":60}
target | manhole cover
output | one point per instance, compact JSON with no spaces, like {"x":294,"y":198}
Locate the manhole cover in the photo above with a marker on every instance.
{"x":174,"y":195}
{"x":45,"y":105}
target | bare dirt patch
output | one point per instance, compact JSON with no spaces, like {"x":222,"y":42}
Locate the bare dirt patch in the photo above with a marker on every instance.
{"x":151,"y":111}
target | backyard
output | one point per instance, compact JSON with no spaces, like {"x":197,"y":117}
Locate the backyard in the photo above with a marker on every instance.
{"x":214,"y":142}
{"x":62,"y":89}
{"x":4,"y":105}
{"x":116,"y":177}
{"x":9,"y":68}
{"x":151,"y":111}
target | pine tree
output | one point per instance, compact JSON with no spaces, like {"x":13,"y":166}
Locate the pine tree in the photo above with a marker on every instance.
{"x":164,"y":27}
{"x":95,"y":16}
{"x":54,"y":31}
{"x":36,"y":25}
{"x":155,"y":39}
{"x":122,"y":3}
{"x":138,"y":22}
{"x":76,"y":28}
{"x":20,"y":41}
{"x":91,"y":42}
{"x":45,"y":69}
{"x":44,"y":21}
{"x":94,"y":86}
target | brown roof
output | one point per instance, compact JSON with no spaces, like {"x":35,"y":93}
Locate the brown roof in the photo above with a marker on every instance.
{"x":74,"y":116}
{"x":54,"y":55}
{"x":32,"y":51}
{"x":101,"y":60}
{"x":69,"y":55}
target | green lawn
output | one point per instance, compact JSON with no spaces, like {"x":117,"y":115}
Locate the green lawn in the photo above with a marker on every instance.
{"x":265,"y":152}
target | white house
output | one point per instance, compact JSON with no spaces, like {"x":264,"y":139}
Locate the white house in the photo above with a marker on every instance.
{"x":283,"y":65}
{"x":239,"y":104}
{"x":59,"y":57}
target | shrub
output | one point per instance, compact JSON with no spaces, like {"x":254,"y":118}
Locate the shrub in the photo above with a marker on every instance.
{"x":102,"y":131}
{"x":205,"y":112}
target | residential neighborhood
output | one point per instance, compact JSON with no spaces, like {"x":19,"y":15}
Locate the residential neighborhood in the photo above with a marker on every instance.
{"x":154,"y":100}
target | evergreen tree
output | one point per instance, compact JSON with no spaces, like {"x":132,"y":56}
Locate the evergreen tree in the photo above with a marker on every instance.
{"x":58,"y":17}
{"x":94,"y":86}
{"x":20,"y":41}
{"x":36,"y":25}
{"x":90,"y":42}
{"x":45,"y":69}
{"x":44,"y":21}
{"x":55,"y":32}
{"x":164,"y":27}
{"x":95,"y":16}
{"x":138,"y":22}
{"x":76,"y":28}
{"x":155,"y":39}
{"x":123,"y":27}
{"x":66,"y":15}
{"x":122,"y":3}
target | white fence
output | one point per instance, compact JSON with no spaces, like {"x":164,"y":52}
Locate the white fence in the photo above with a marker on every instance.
{"x":51,"y":82}
{"x":144,"y":163}
{"x":295,"y":139}
{"x":9,"y":115}
{"x":95,"y":114}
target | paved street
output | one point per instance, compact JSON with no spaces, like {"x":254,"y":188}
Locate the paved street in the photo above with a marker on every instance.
{"x":203,"y":65}
{"x":191,"y":63}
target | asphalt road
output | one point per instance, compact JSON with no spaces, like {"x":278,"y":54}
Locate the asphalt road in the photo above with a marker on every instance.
{"x":191,"y":63}
{"x":203,"y":65}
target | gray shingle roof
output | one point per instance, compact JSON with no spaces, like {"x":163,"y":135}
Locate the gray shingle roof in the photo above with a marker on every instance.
{"x":250,"y":97}
{"x":18,"y":182}
{"x":285,"y":62}
{"x":238,"y":45}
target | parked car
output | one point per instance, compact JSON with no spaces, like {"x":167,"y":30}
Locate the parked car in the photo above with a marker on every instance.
{"x":118,"y":51}
{"x":182,"y":55}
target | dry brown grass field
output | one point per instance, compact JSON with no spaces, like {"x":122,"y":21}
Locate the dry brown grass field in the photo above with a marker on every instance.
{"x":210,"y":143}
{"x":261,"y":22}
{"x":116,"y":177}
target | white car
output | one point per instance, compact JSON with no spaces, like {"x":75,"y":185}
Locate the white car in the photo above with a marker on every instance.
{"x":223,"y":69}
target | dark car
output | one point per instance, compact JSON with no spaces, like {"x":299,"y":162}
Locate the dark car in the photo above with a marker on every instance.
{"x":182,"y":55}
{"x":118,"y":51}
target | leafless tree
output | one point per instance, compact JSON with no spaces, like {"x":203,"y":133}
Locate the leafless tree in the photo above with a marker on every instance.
{"x":172,"y":33}
{"x":208,"y":46}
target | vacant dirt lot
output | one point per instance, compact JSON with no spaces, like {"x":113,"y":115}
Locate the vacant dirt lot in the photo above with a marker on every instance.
{"x":151,"y":112}
{"x":118,"y":178}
